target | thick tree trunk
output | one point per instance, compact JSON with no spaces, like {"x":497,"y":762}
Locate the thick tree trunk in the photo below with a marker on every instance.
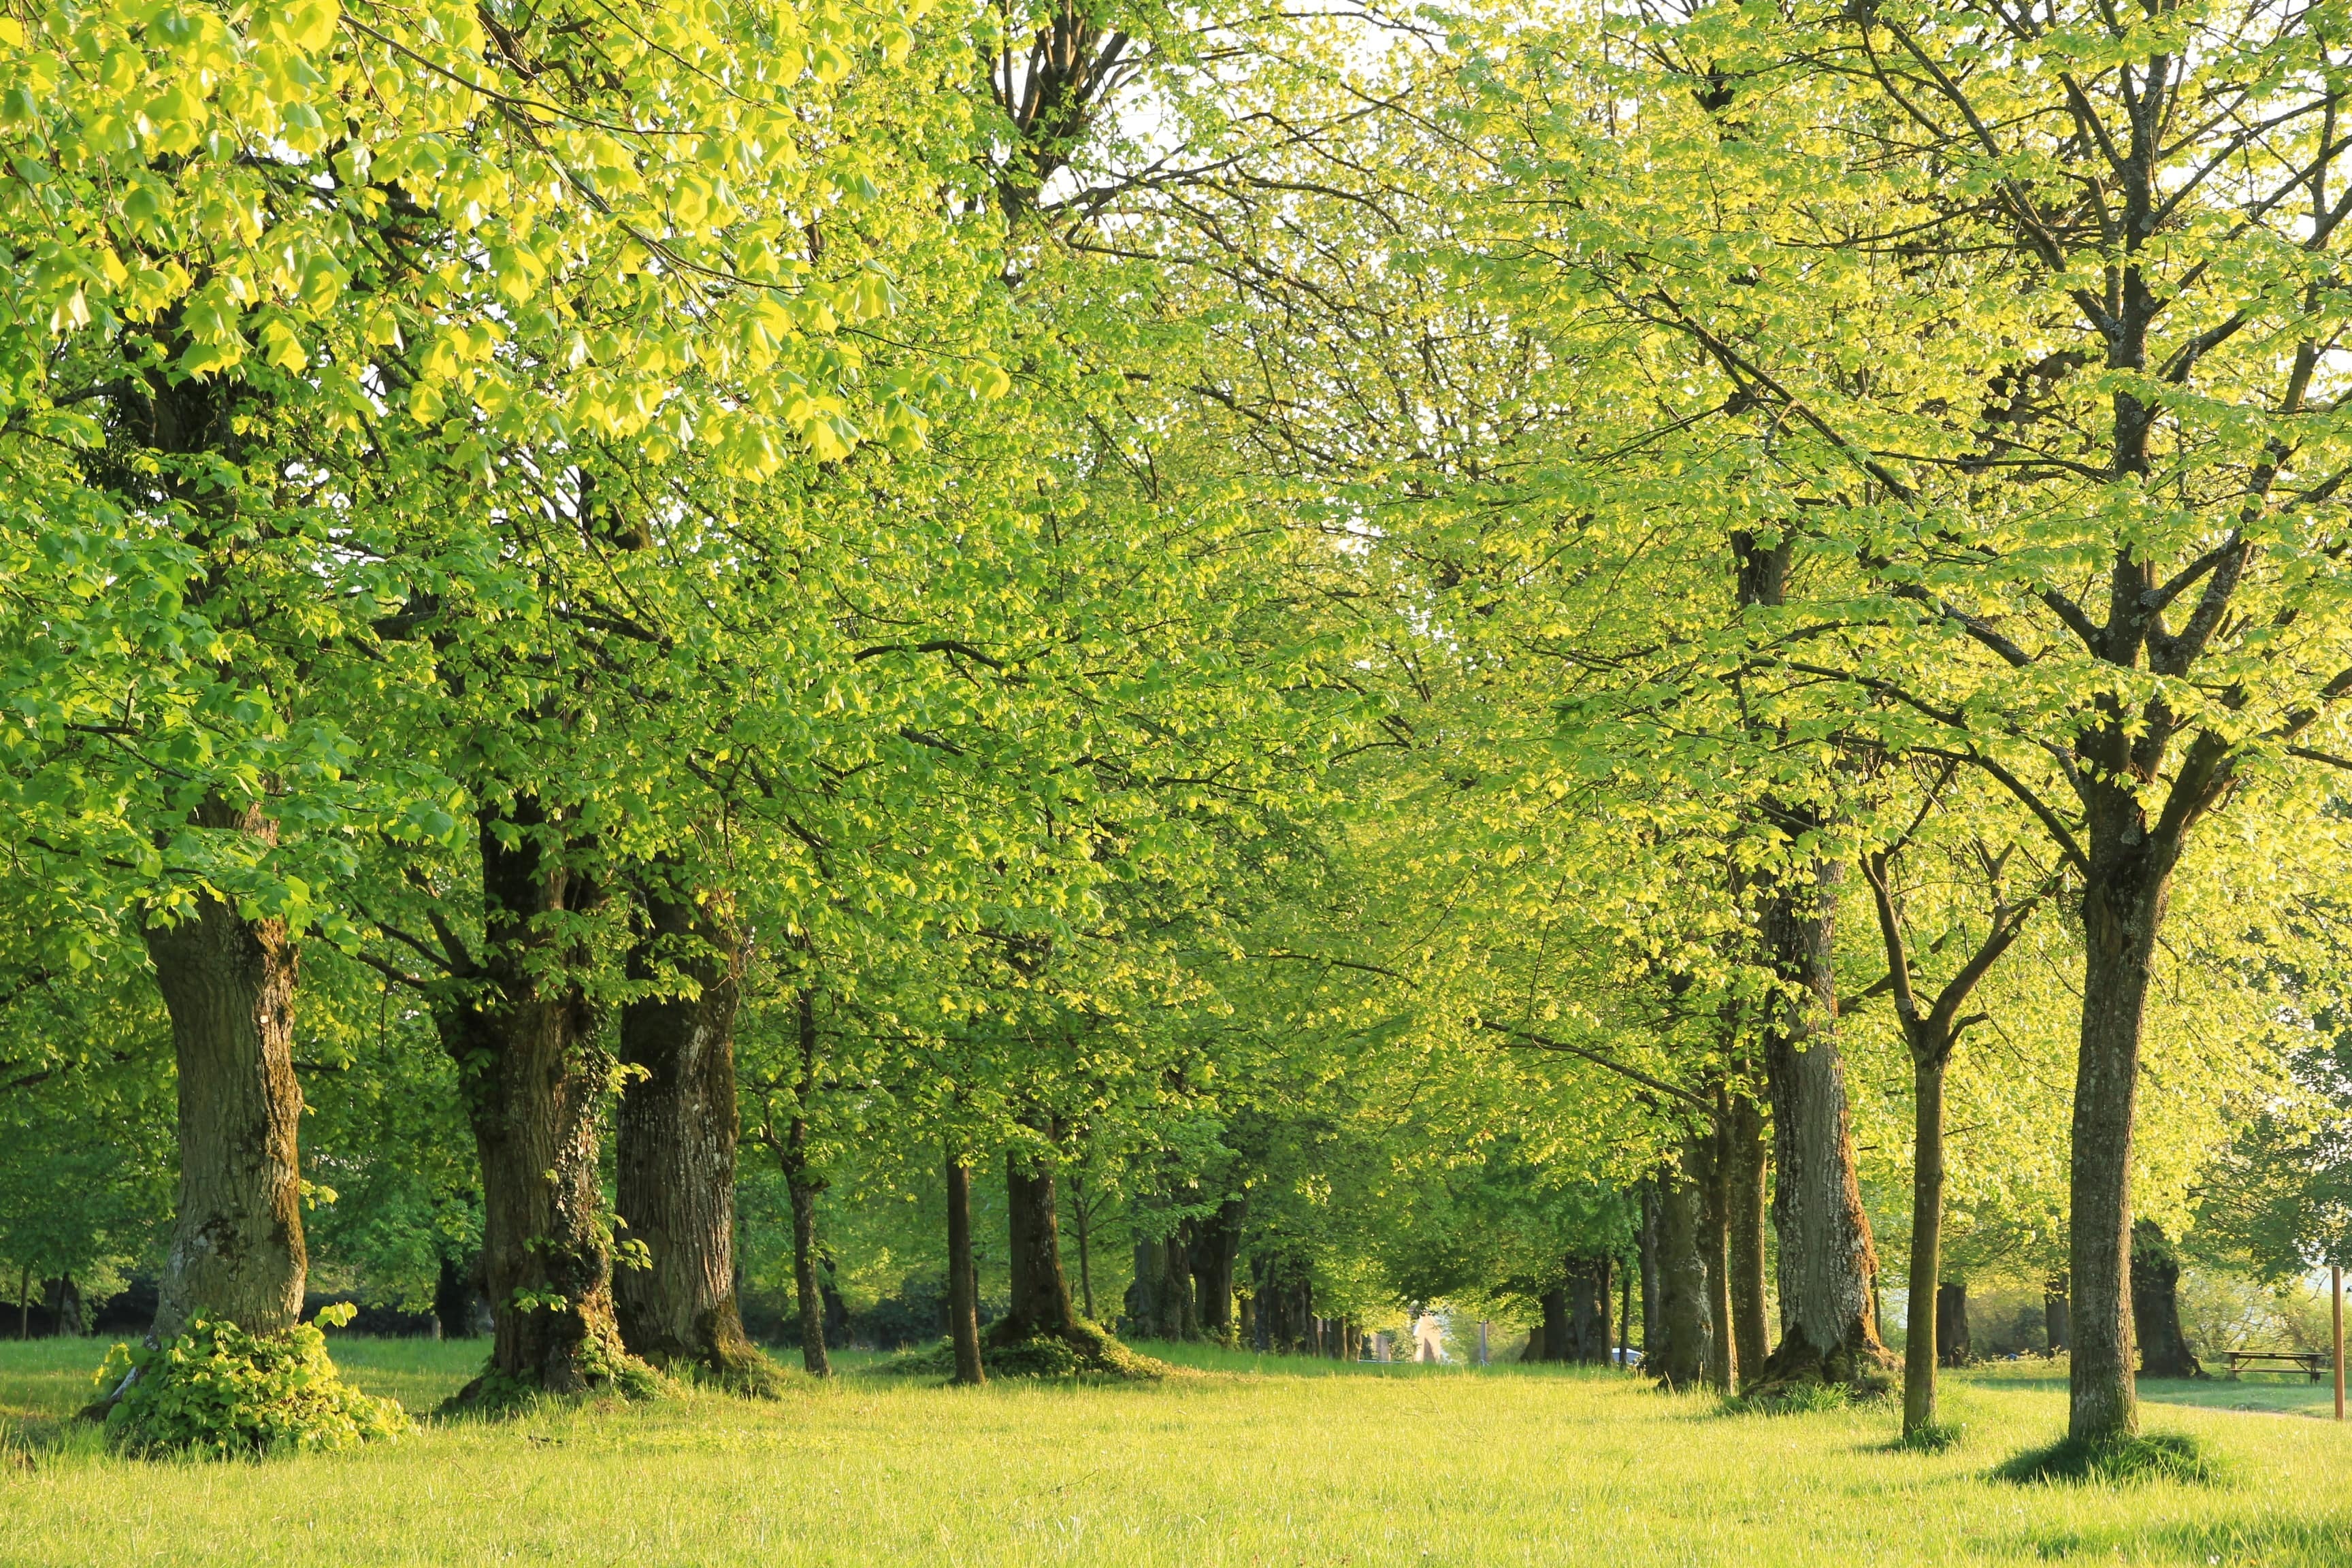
{"x":1751,"y":1335}
{"x":1552,"y":1333}
{"x":1923,"y":1338}
{"x":1143,"y":1291}
{"x":2054,"y":1313}
{"x":1682,"y":1267}
{"x":2164,"y":1350}
{"x":963,"y":1298}
{"x":1217,"y":1243}
{"x":1588,"y":1319}
{"x":2104,"y":1402}
{"x":69,"y":1314}
{"x":1827,"y":1264}
{"x":523,"y":1038}
{"x":237,"y":1250}
{"x":676,"y":1148}
{"x":1952,"y":1343}
{"x":1040,"y":1295}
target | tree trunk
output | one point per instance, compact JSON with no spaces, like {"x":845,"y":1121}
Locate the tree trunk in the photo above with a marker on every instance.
{"x":2155,"y":1305}
{"x":1086,"y":1245}
{"x":522,"y":1035}
{"x":1952,"y":1347}
{"x":803,"y":1193}
{"x":1178,"y":1320}
{"x":1624,"y":1314}
{"x":2104,"y":1402}
{"x":237,"y":1250}
{"x":1217,"y":1242}
{"x":1827,"y":1264}
{"x":69,"y":1314}
{"x":1588,"y":1321}
{"x":2053,"y":1312}
{"x":1923,"y":1338}
{"x":458,"y":1304}
{"x":675,"y":1158}
{"x":1040,"y":1295}
{"x":1682,"y":1266}
{"x":1653,"y":1312}
{"x":1715,"y":1207}
{"x":963,"y":1299}
{"x":1553,"y":1330}
{"x":1143,"y":1291}
{"x":1750,"y":1332}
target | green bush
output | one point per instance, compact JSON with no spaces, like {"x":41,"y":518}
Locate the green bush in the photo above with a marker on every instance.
{"x":220,"y":1393}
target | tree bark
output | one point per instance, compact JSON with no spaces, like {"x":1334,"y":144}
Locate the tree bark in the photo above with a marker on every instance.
{"x":68,"y":1313}
{"x":1923,"y":1338}
{"x":522,"y":1035}
{"x":1554,"y":1327}
{"x":2121,"y":917}
{"x":1682,"y":1266}
{"x":1178,"y":1319}
{"x":1716,"y":1187}
{"x":1647,"y":1246}
{"x":1143,"y":1291}
{"x":1217,"y":1242}
{"x":1952,"y":1345}
{"x":1826,"y":1260}
{"x":676,"y":1152}
{"x":1082,"y":1223}
{"x":1588,"y":1319}
{"x":1624,"y":1314}
{"x":1827,"y":1263}
{"x":2155,"y":1305}
{"x":1040,"y":1295}
{"x":2054,"y":1313}
{"x":1751,"y":1333}
{"x":237,"y":1250}
{"x":963,"y":1299}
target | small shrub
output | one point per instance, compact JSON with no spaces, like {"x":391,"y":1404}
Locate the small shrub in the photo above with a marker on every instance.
{"x":2163,"y":1457}
{"x":220,"y":1393}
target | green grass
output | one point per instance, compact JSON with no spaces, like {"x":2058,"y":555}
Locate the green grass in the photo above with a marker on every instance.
{"x":1246,"y":1463}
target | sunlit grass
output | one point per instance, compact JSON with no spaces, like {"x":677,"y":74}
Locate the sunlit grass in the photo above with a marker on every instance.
{"x":1297,"y":1462}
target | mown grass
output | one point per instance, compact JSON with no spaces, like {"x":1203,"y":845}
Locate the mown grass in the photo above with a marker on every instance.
{"x":1246,"y":1463}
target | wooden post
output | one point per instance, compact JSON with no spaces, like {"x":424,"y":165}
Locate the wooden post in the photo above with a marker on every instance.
{"x":2335,"y":1312}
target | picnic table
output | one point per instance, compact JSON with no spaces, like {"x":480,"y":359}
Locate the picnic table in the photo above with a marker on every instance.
{"x":2314,"y":1364}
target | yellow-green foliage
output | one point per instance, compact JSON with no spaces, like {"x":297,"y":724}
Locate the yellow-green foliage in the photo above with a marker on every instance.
{"x":220,"y":1391}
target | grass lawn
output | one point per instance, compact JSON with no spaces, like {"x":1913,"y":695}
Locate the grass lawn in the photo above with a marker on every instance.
{"x":1247,"y":1462}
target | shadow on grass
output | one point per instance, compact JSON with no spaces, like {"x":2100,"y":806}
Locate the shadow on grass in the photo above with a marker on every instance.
{"x":2275,"y":1541}
{"x":2160,"y":1457}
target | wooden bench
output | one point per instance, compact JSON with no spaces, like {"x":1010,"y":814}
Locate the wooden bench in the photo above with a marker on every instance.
{"x":2314,"y":1364}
